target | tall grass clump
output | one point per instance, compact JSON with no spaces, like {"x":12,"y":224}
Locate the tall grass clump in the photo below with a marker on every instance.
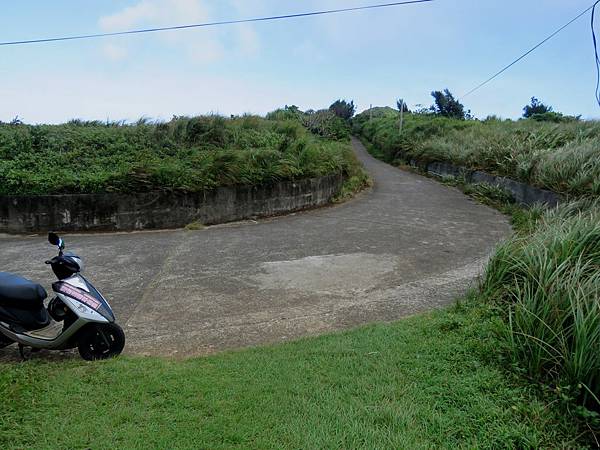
{"x":547,"y":285}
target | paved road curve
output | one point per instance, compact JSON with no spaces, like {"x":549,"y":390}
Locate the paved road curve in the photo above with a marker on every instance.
{"x":407,"y":246}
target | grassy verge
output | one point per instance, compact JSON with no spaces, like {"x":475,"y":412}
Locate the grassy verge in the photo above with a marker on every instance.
{"x":424,"y":382}
{"x":185,"y":154}
{"x":357,"y":179}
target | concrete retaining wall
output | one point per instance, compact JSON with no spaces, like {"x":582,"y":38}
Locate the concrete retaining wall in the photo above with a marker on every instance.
{"x":156,"y":210}
{"x":522,"y":192}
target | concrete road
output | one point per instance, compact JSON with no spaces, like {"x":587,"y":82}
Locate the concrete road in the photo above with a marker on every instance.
{"x":407,"y":246}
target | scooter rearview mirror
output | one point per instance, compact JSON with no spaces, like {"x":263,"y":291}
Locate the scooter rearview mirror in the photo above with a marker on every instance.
{"x":54,"y":239}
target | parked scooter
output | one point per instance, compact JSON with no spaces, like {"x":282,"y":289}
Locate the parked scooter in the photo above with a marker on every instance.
{"x":88,"y":322}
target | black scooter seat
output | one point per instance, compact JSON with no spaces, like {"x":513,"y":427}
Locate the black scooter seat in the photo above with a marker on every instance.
{"x":19,"y":292}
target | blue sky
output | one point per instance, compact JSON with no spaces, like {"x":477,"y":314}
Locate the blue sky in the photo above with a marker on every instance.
{"x":372,"y":57}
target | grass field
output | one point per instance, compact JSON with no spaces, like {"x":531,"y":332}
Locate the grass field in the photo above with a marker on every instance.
{"x":185,"y":154}
{"x":424,"y":382}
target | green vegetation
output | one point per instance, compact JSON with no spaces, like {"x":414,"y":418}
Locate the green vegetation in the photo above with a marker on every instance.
{"x":547,"y":286}
{"x":446,"y":105}
{"x":563,"y":157}
{"x":343,"y":109}
{"x":324,"y":123}
{"x":185,"y":154}
{"x":424,"y":382}
{"x":515,"y":365}
{"x":536,"y":108}
{"x":544,"y":285}
{"x":195,"y":226}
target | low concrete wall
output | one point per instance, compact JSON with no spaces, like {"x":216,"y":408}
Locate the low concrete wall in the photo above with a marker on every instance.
{"x":156,"y":210}
{"x":522,"y":192}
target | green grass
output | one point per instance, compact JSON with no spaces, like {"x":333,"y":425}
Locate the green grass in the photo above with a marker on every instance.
{"x":423,"y":382}
{"x":563,"y":157}
{"x":185,"y":154}
{"x":195,"y":226}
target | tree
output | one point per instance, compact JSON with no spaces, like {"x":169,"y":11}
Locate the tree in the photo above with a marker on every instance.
{"x":401,"y":105}
{"x":446,"y":105}
{"x":343,"y":109}
{"x":423,"y":110}
{"x":536,"y":107}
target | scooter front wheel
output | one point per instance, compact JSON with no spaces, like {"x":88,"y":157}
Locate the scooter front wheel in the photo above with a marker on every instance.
{"x":100,"y":341}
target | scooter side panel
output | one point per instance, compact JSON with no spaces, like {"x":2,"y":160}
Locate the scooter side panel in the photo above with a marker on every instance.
{"x":82,"y":309}
{"x":84,"y":299}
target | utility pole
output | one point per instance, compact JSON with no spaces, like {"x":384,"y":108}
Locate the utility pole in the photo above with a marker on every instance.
{"x":401,"y":117}
{"x":371,"y":113}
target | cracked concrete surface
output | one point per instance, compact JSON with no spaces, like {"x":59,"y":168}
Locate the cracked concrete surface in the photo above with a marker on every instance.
{"x":407,"y":246}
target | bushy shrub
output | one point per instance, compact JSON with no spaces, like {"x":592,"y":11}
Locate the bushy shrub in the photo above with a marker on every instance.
{"x":554,"y":117}
{"x":326,"y":124}
{"x":286,"y":113}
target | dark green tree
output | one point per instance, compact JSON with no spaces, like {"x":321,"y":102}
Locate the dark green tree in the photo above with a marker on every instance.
{"x":343,"y":109}
{"x":400,"y":103}
{"x":446,"y":105}
{"x":535,"y":107}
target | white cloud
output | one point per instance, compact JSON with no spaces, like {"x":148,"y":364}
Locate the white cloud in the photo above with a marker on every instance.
{"x":248,"y":41}
{"x":309,"y":52}
{"x":204,"y":46}
{"x":205,"y":50}
{"x":60,"y":96}
{"x":114,"y":52}
{"x":129,"y":17}
{"x":156,"y":12}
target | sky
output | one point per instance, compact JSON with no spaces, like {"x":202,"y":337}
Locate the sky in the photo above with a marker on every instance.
{"x":371,"y":57}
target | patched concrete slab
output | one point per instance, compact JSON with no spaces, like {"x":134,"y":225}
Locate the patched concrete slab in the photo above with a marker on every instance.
{"x":407,"y":246}
{"x":327,"y":274}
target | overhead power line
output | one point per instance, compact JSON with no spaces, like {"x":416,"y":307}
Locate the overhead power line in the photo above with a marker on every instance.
{"x":527,"y":53}
{"x":212,"y":24}
{"x":595,"y":41}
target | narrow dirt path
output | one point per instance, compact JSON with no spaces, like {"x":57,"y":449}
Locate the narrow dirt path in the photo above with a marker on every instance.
{"x":407,"y":246}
